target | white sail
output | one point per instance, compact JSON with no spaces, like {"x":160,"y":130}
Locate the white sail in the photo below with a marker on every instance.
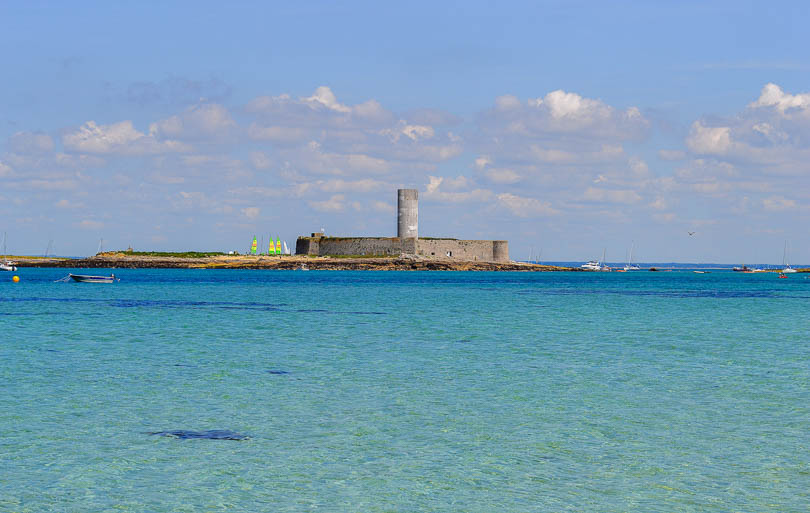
{"x":286,"y":249}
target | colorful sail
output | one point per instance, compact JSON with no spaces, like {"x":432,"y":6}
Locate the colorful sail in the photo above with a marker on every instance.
{"x":278,"y":246}
{"x":271,"y":248}
{"x":253,"y":246}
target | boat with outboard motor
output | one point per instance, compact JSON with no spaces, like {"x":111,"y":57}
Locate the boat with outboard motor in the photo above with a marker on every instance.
{"x":84,"y":278}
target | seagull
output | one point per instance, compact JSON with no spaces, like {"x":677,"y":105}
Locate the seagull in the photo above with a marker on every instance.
{"x":691,"y":233}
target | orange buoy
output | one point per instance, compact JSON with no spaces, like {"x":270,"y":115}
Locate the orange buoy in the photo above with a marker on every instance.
{"x":15,"y":279}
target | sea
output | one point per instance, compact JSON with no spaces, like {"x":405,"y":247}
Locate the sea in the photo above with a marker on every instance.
{"x":366,"y":391}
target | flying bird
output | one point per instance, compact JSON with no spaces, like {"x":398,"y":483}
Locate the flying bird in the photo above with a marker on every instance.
{"x":691,"y":233}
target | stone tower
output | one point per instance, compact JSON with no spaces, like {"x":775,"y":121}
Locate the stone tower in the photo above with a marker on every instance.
{"x":407,"y":213}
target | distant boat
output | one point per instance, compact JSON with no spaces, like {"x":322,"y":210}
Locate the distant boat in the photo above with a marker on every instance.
{"x":84,"y":278}
{"x":596,"y":265}
{"x":6,"y":265}
{"x":743,"y":269}
{"x":786,"y":263}
{"x":630,"y":265}
{"x":700,"y":272}
{"x":593,"y":265}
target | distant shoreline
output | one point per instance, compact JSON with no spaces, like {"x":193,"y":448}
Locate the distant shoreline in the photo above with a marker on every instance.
{"x":286,"y":262}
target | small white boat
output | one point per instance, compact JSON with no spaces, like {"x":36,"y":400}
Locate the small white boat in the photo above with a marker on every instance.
{"x":6,"y":265}
{"x":630,"y":265}
{"x":786,"y":263}
{"x":84,"y":278}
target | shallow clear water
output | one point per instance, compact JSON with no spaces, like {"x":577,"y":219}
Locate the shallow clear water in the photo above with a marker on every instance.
{"x":411,"y":391}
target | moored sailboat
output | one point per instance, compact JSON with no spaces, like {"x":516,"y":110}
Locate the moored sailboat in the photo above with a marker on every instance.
{"x":630,"y":265}
{"x":6,"y":265}
{"x":786,"y":262}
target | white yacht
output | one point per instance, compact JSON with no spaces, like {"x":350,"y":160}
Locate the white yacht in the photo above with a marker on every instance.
{"x":596,"y":265}
{"x":593,"y":265}
{"x":786,"y":263}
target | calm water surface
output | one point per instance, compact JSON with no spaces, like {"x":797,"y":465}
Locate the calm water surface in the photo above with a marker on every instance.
{"x":411,"y":391}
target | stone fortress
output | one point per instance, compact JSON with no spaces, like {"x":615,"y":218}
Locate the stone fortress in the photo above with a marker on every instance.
{"x":407,"y":241}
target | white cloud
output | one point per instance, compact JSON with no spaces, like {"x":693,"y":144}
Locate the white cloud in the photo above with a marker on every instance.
{"x":381,"y":206}
{"x":639,"y":168}
{"x":260,"y":160}
{"x":773,"y":96}
{"x":709,"y":140}
{"x":336,"y":203}
{"x":483,"y":161}
{"x":251,"y":212}
{"x":564,"y":112}
{"x":526,"y":207}
{"x":319,"y":135}
{"x":771,"y":136}
{"x":778,"y":204}
{"x":118,"y":138}
{"x":278,"y":134}
{"x":64,"y":203}
{"x":90,"y":224}
{"x":324,"y":96}
{"x":209,"y":121}
{"x":5,"y":169}
{"x":502,"y":176}
{"x":433,"y":192}
{"x":360,"y":186}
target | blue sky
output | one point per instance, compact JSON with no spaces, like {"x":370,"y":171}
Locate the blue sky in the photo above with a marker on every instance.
{"x":563,"y":126}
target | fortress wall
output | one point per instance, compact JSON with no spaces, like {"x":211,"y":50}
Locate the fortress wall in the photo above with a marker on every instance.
{"x":466,"y":250}
{"x":470,"y":250}
{"x":307,"y":246}
{"x":363,"y":246}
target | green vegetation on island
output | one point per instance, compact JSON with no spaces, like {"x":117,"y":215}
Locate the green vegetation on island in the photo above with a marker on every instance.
{"x":167,"y":254}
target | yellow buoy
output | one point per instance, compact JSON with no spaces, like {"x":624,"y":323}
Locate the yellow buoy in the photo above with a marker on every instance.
{"x":15,"y":279}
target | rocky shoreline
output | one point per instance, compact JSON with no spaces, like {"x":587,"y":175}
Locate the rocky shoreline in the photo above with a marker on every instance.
{"x":124,"y":261}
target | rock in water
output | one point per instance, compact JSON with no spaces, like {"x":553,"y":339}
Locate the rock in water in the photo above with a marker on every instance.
{"x":211,"y":434}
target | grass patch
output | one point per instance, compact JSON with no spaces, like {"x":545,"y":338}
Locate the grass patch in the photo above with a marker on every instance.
{"x":173,"y":254}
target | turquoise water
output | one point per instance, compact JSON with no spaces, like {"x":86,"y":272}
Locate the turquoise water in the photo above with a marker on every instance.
{"x":411,"y":391}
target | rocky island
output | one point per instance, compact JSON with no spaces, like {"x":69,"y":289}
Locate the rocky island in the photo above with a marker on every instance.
{"x":137,"y":260}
